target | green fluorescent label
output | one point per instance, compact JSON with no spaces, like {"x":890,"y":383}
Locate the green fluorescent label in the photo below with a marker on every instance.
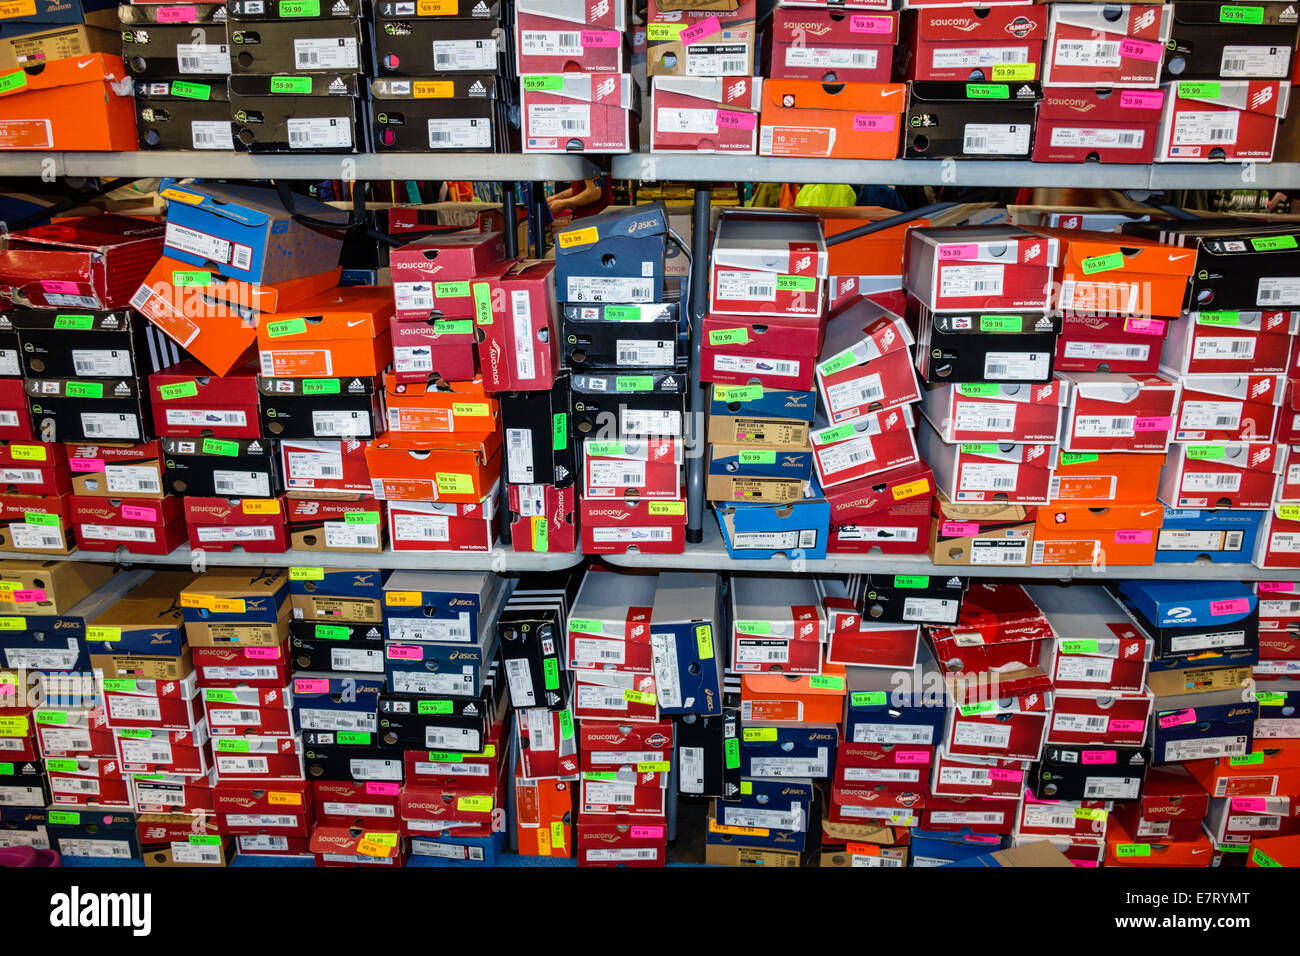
{"x":119,"y":686}
{"x":584,"y":625}
{"x":796,"y":283}
{"x":191,"y":91}
{"x":838,"y":433}
{"x":37,"y":517}
{"x":985,"y":707}
{"x":452,"y":327}
{"x":51,"y":716}
{"x":1132,"y":849}
{"x":566,"y":724}
{"x":757,"y":457}
{"x":988,"y":91}
{"x":64,"y":818}
{"x":219,"y":695}
{"x":451,"y":290}
{"x":446,"y":756}
{"x":737,"y":393}
{"x":824,"y":682}
{"x":199,"y":839}
{"x":543,"y":82}
{"x":911,"y":580}
{"x":6,"y":770}
{"x":178,"y":390}
{"x":605,"y":449}
{"x":286,"y":327}
{"x":61,"y":766}
{"x":233,"y":746}
{"x":85,"y":390}
{"x":299,"y":8}
{"x":361,"y":517}
{"x":1246,"y":760}
{"x":73,"y":321}
{"x":1000,"y":323}
{"x":754,"y":627}
{"x":136,"y":733}
{"x":1078,"y":647}
{"x":1260,"y":858}
{"x":837,"y":363}
{"x":732,"y":751}
{"x":1241,"y":14}
{"x":13,"y":81}
{"x":320,"y":386}
{"x":1218,"y":318}
{"x":1205,"y":451}
{"x":621,"y":313}
{"x":434,"y":707}
{"x":871,"y":698}
{"x":215,"y":446}
{"x":979,"y":448}
{"x":634,"y":383}
{"x":1103,"y":263}
{"x":551,"y":674}
{"x":195,"y":277}
{"x":1273,"y":243}
{"x":482,"y":303}
{"x":354,"y":738}
{"x":1202,"y":90}
{"x":1270,"y":698}
{"x":559,"y":431}
{"x":974,"y":390}
{"x":1077,"y":458}
{"x":729,"y":337}
{"x":291,"y":84}
{"x":331,"y":632}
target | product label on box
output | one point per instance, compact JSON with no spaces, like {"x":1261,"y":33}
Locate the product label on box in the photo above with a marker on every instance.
{"x":1097,"y":137}
{"x":620,"y":473}
{"x":326,"y":132}
{"x":931,"y":610}
{"x":242,"y":484}
{"x":964,"y":281}
{"x":473,"y":56}
{"x":827,"y":58}
{"x":1047,"y":816}
{"x":101,"y":363}
{"x":1087,"y":53}
{"x":1254,"y":62}
{"x":969,"y":58}
{"x":588,"y":651}
{"x":455,"y":629}
{"x":104,"y":532}
{"x":126,"y":479}
{"x":208,"y":247}
{"x":206,"y":418}
{"x":1085,"y":670}
{"x":109,"y":425}
{"x":1097,"y":426}
{"x":881,"y":775}
{"x":1205,"y":747}
{"x":610,"y":289}
{"x":203,"y":58}
{"x":1274,"y":292}
{"x":1107,"y":351}
{"x":1203,"y":642}
{"x":681,"y":120}
{"x":856,"y":392}
{"x":818,"y":766}
{"x":211,"y":134}
{"x":1079,"y":723}
{"x":986,"y":734}
{"x":99,"y":849}
{"x":982,"y":476}
{"x":664,"y":663}
{"x":340,"y":424}
{"x":1016,"y":365}
{"x":745,"y":286}
{"x":747,"y":365}
{"x":774,"y":540}
{"x":313,"y":718}
{"x":754,"y":651}
{"x":562,"y":120}
{"x":737,"y":816}
{"x":522,"y":317}
{"x":550,"y":43}
{"x":634,"y":534}
{"x":213,"y":534}
{"x":134,"y":708}
{"x":648,"y":354}
{"x":1005,"y":138}
{"x":1205,"y":128}
{"x":1223,"y":347}
{"x":35,"y":537}
{"x":1210,"y":416}
{"x":413,"y":295}
{"x":985,"y":416}
{"x":718,"y":59}
{"x":330,"y":53}
{"x":1215,"y":482}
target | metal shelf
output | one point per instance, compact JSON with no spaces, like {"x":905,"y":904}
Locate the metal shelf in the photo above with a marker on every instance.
{"x":499,"y":560}
{"x":709,"y":167}
{"x":493,"y":167}
{"x":711,"y":555}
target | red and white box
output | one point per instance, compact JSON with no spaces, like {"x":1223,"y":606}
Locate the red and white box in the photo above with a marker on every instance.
{"x":328,"y":524}
{"x":1116,"y":412}
{"x":866,"y":363}
{"x":117,"y":471}
{"x":615,"y":696}
{"x":625,"y":798}
{"x":615,"y":843}
{"x":85,"y":733}
{"x":184,"y":752}
{"x":1109,"y":343}
{"x":705,"y":114}
{"x":989,"y":472}
{"x":980,"y":267}
{"x":1076,"y":820}
{"x":174,"y":793}
{"x":1097,"y":125}
{"x":853,"y":501}
{"x":980,"y":412}
{"x":1288,"y":488}
{"x":975,"y":44}
{"x":1087,"y":45}
{"x":520,"y":349}
{"x":1279,"y":616}
{"x":371,"y":805}
{"x":1000,"y":629}
{"x":583,"y":112}
{"x":434,"y":345}
{"x":345,"y":846}
{"x":807,"y":44}
{"x":1228,"y":408}
{"x":632,"y":469}
{"x":36,"y":469}
{"x":621,"y":643}
{"x":1115,"y":719}
{"x":866,"y":805}
{"x":610,"y":747}
{"x":433,"y":273}
{"x":777,"y":351}
{"x":88,"y":781}
{"x":155,"y":527}
{"x":883,"y":766}
{"x":258,"y":757}
{"x":544,"y":751}
{"x":1012,"y":728}
{"x":875,"y":645}
{"x":766,"y":263}
{"x":255,"y":525}
{"x":1231,"y":342}
{"x":189,"y":402}
{"x":901,"y":529}
{"x":969,"y":776}
{"x":976,"y":814}
{"x":285,"y":809}
{"x":454,"y":774}
{"x":1101,"y":664}
{"x":1278,"y":544}
{"x":442,"y":526}
{"x":611,"y":526}
{"x":868,"y":445}
{"x":553,"y":38}
{"x":235,"y":712}
{"x":1225,"y":120}
{"x":542,"y":518}
{"x":15,"y":418}
{"x":154,"y":704}
{"x":242,"y":666}
{"x":1236,"y":475}
{"x":321,"y":469}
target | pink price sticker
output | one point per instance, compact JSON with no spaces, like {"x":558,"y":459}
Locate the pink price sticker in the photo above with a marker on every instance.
{"x":860,"y":24}
{"x":912,"y":756}
{"x":1145,"y":326}
{"x":647,"y":833}
{"x":874,"y":122}
{"x":1098,"y":756}
{"x":1231,"y":606}
{"x":1126,"y":726}
{"x":262,"y":653}
{"x":1250,"y":804}
{"x":1085,"y":863}
{"x":737,"y":119}
{"x":1006,"y":776}
{"x":705,"y":28}
{"x":982,"y":838}
{"x":1141,"y":49}
{"x":959,"y":250}
{"x":1133,"y":537}
{"x":958,"y":529}
{"x":59,"y":287}
{"x":601,"y":38}
{"x":28,"y":596}
{"x":85,"y":464}
{"x":313,"y":685}
{"x":1160,"y":423}
{"x":136,"y":513}
{"x":177,"y":14}
{"x":1275,"y":587}
{"x":1178,"y":717}
{"x":376,"y":789}
{"x":405,"y":652}
{"x":1142,"y":100}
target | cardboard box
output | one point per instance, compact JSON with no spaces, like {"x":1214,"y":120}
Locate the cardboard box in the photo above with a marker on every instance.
{"x":980,"y":534}
{"x":156,"y":45}
{"x":713,"y":39}
{"x":54,"y":344}
{"x":403,"y":40}
{"x":443,"y":526}
{"x":845,"y":121}
{"x":799,"y":528}
{"x":325,"y":335}
{"x":1231,"y":342}
{"x":1227,"y":408}
{"x":1082,"y":125}
{"x":1238,"y":475}
{"x":439,"y":407}
{"x":300,"y":46}
{"x":805,"y":44}
{"x":868,"y":445}
{"x":154,"y":528}
{"x":40,"y":524}
{"x":583,"y":112}
{"x":1232,"y":120}
{"x":34,"y":469}
{"x":523,"y":352}
{"x":865,"y":363}
{"x":15,"y":419}
{"x":1003,"y":43}
{"x":307,"y":408}
{"x":705,"y":114}
{"x":599,"y":337}
{"x":1088,"y":46}
{"x":959,"y":120}
{"x":1216,"y":42}
{"x":461,"y":113}
{"x":634,"y":237}
{"x":988,"y":472}
{"x":768,"y":262}
{"x":619,"y":527}
{"x":432,"y":275}
{"x":1015,"y":413}
{"x":1109,"y":343}
{"x":397,"y":465}
{"x":898,"y":529}
{"x":558,"y":38}
{"x":1111,"y":412}
{"x":988,"y":267}
{"x":50,"y":43}
{"x":1102,"y":273}
{"x":188,"y":403}
{"x":1085,"y":478}
{"x":992,"y":348}
{"x":325,"y":469}
{"x":75,"y":103}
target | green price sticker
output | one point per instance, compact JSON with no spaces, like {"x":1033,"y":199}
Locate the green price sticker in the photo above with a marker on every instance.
{"x":979,"y":448}
{"x":331,"y":632}
{"x":1079,"y":647}
{"x":551,"y":674}
{"x":543,"y":82}
{"x":361,"y":517}
{"x":973,"y":710}
{"x":434,"y":707}
{"x":976,"y":390}
{"x":796,"y":283}
{"x":584,"y":625}
{"x":218,"y":695}
{"x":1203,"y":452}
{"x":1000,"y":323}
{"x":731,"y":751}
{"x":1077,"y":458}
{"x":232,"y":746}
{"x":1273,"y":243}
{"x":353,"y":738}
{"x":621,"y":313}
{"x":38,"y":517}
{"x":135,"y":733}
{"x":911,"y":580}
{"x":868,"y":698}
{"x":1123,"y":850}
{"x":6,"y":770}
{"x":826,"y":682}
{"x":64,"y":818}
{"x":61,"y":766}
{"x":1236,"y":14}
{"x":191,"y":277}
{"x":286,"y":327}
{"x":451,"y":290}
{"x":52,"y":717}
{"x":74,"y":321}
{"x":178,"y":390}
{"x":1218,"y":318}
{"x":737,"y":393}
{"x":754,"y":627}
{"x":1270,"y":699}
{"x":757,"y":457}
{"x":828,"y":436}
{"x":633,"y":383}
{"x":988,"y":91}
{"x":446,"y":756}
{"x":482,"y":303}
{"x":119,"y":686}
{"x":1193,"y":90}
{"x":559,"y":431}
{"x":84,"y":390}
{"x":191,"y":91}
{"x":291,"y":84}
{"x":1260,"y":858}
{"x":566,"y":724}
{"x":837,"y":363}
{"x":452,"y":327}
{"x":320,"y":386}
{"x":217,"y":446}
{"x":13,"y":624}
{"x":199,"y":839}
{"x":13,"y":81}
{"x":306,"y":574}
{"x":299,"y":8}
{"x":605,"y":449}
{"x":1246,"y":760}
{"x":729,"y":337}
{"x":1094,"y":264}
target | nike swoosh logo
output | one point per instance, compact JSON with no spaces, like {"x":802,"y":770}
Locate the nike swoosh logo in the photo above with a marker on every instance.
{"x":1176,"y":258}
{"x":356,"y":323}
{"x":82,"y":64}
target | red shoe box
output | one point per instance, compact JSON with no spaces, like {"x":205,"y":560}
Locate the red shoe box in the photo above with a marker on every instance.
{"x":190,"y":402}
{"x":184,"y":752}
{"x":982,"y":267}
{"x":157,"y":527}
{"x":806,"y":44}
{"x":425,"y":809}
{"x":83,"y":733}
{"x":230,"y":667}
{"x":615,"y":696}
{"x":1109,"y":343}
{"x":874,"y":372}
{"x":773,"y":264}
{"x":284,"y":809}
{"x":88,"y":781}
{"x":1086,"y":47}
{"x":853,"y":501}
{"x":865,"y":804}
{"x":1000,"y":628}
{"x":542,"y":518}
{"x":1222,"y":121}
{"x":1097,"y":125}
{"x":1236,"y":475}
{"x":874,"y":443}
{"x":875,"y":645}
{"x":967,"y":776}
{"x":422,"y":347}
{"x":36,"y":524}
{"x":632,"y":469}
{"x":974,"y":814}
{"x":977,"y":412}
{"x":33,"y":469}
{"x":519,"y":344}
{"x":15,"y":418}
{"x":436,"y":526}
{"x":1228,"y":408}
{"x":705,"y":114}
{"x":646,"y":527}
{"x":603,"y":103}
{"x":320,"y":469}
{"x":1237,"y":343}
{"x":1278,"y":545}
{"x":255,"y":757}
{"x":238,"y":711}
{"x":172,"y":793}
{"x":593,"y":41}
{"x":971,"y":44}
{"x":343,"y":846}
{"x":607,"y":747}
{"x":617,"y":843}
{"x":254,"y":525}
{"x":433,"y":274}
{"x":1115,"y":412}
{"x":1081,"y":820}
{"x":372,"y":805}
{"x":883,"y":766}
{"x":623,"y":801}
{"x":901,"y":529}
{"x":332,"y":525}
{"x":1113,"y":719}
{"x":989,"y":472}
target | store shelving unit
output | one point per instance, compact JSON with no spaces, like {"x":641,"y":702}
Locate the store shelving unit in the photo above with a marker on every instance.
{"x":499,"y":559}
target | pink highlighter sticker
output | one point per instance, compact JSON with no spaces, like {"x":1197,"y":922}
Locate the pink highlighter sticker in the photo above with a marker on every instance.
{"x":1142,"y":100}
{"x":1233,"y":606}
{"x":737,"y":119}
{"x":1145,"y":326}
{"x":874,"y":122}
{"x":1006,"y":776}
{"x":1273,"y":587}
{"x":1141,"y":49}
{"x":1161,"y":423}
{"x":647,"y":833}
{"x":136,"y":513}
{"x":405,"y":652}
{"x":1177,"y":717}
{"x":177,"y":14}
{"x":28,"y":596}
{"x":601,"y":38}
{"x":58,"y":287}
{"x":311,"y":686}
{"x":1249,"y":804}
{"x":1133,"y":537}
{"x":375,"y":789}
{"x":1098,"y":756}
{"x":859,"y":24}
{"x":262,"y":653}
{"x":981,"y":838}
{"x":85,"y":464}
{"x":1126,"y":726}
{"x":704,"y":28}
{"x":959,"y":250}
{"x":912,"y":756}
{"x":958,"y":529}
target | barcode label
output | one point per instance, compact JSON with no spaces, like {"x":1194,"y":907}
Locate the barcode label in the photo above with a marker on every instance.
{"x":340,"y":424}
{"x":325,"y":53}
{"x":983,"y":139}
{"x":984,"y":416}
{"x":965,"y":281}
{"x":235,"y":533}
{"x":104,"y":532}
{"x":981,"y":734}
{"x":101,"y":363}
{"x":475,"y":133}
{"x":980,"y":476}
{"x":1079,"y":723}
{"x":125,"y":479}
{"x":203,"y":58}
{"x":1278,"y":291}
{"x":242,"y":484}
{"x":561,"y":119}
{"x":1099,"y":426}
{"x":478,"y":56}
{"x":745,"y":286}
{"x":108,"y":425}
{"x":329,"y":132}
{"x":211,"y":134}
{"x":1209,"y":481}
{"x":1220,"y":347}
{"x":1071,"y":52}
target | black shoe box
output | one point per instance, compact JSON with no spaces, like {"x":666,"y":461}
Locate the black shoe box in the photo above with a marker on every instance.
{"x":219,"y":468}
{"x":946,"y":120}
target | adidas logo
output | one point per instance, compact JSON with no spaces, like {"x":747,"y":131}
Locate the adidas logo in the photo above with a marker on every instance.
{"x":356,"y":386}
{"x":470,"y":710}
{"x":373,"y":632}
{"x":1288,"y":15}
{"x":478,"y":89}
{"x":1025,"y":91}
{"x":480,"y":9}
{"x":219,"y":15}
{"x":338,"y":86}
{"x":1043,"y":324}
{"x":954,"y":582}
{"x":254,"y":446}
{"x":670,"y":382}
{"x":122,"y":389}
{"x":110,"y":321}
{"x":340,"y":6}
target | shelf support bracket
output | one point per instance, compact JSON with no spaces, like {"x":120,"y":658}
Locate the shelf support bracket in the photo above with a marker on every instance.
{"x":696,"y":403}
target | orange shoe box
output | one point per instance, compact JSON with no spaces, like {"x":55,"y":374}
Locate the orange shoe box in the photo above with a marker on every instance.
{"x":339,"y":333}
{"x":424,"y":466}
{"x":543,"y":816}
{"x":835,"y":121}
{"x":1121,"y":850}
{"x":1270,"y":769}
{"x":1116,"y":535}
{"x":1275,"y":851}
{"x":780,"y":698}
{"x":1106,"y":273}
{"x":271,"y":297}
{"x":444,"y":407}
{"x":1102,"y":478}
{"x":68,"y":104}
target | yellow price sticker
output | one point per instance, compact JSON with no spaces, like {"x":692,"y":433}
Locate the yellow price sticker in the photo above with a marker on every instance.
{"x":28,"y":452}
{"x":366,"y":847}
{"x":229,"y":605}
{"x":103,"y":633}
{"x":13,"y":623}
{"x":1014,"y":71}
{"x":403,"y":598}
{"x":639,"y":697}
{"x":279,"y":798}
{"x":578,"y":237}
{"x":10,"y":586}
{"x":758,"y":735}
{"x":454,"y":483}
{"x":195,"y":600}
{"x":654,"y":766}
{"x":383,"y":839}
{"x":715,"y":827}
{"x":1289,"y":512}
{"x":557,"y":835}
{"x":432,"y":89}
{"x":306,"y":574}
{"x":667,"y":508}
{"x":704,"y":642}
{"x":664,"y":31}
{"x":911,"y":489}
{"x":474,"y":804}
{"x":470,"y":408}
{"x":1086,"y":813}
{"x":179,"y":195}
{"x":261,"y":506}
